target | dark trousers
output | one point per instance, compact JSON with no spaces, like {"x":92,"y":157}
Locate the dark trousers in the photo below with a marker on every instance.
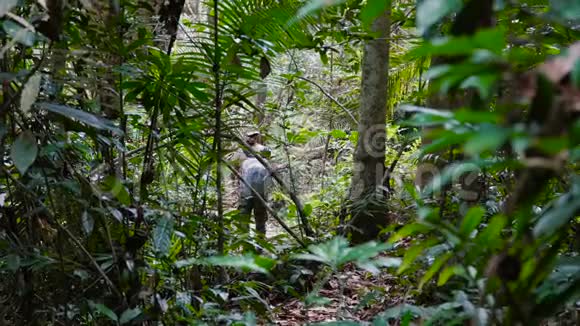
{"x":249,"y":204}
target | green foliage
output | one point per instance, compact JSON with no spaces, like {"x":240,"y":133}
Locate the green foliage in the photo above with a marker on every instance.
{"x":430,"y":12}
{"x":109,"y":205}
{"x":24,"y":151}
{"x":336,"y":252}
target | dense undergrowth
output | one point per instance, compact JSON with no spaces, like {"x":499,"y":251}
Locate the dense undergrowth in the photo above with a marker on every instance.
{"x":117,"y":196}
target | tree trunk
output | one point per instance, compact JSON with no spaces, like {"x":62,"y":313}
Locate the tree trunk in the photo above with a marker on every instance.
{"x":169,"y":15}
{"x":369,"y":157}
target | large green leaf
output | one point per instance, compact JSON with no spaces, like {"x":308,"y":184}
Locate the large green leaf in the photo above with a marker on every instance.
{"x":488,"y":138}
{"x":337,"y":252}
{"x":128,"y":315}
{"x":491,"y":39}
{"x":429,"y":12}
{"x":19,"y":33}
{"x":566,"y":208}
{"x":490,"y":236}
{"x":162,"y":235}
{"x":413,"y":252}
{"x":565,"y":9}
{"x":82,"y":116}
{"x":435,"y":267}
{"x":373,"y":9}
{"x":483,"y":83}
{"x":104,"y":310}
{"x":471,"y":220}
{"x":329,"y":252}
{"x":248,"y":262}
{"x":448,"y":272}
{"x":114,"y":186}
{"x":24,"y":151}
{"x":30,"y":92}
{"x":313,"y":6}
{"x":410,"y":229}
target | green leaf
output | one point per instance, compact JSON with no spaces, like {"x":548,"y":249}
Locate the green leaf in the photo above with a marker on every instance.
{"x":19,"y":33}
{"x":87,"y":222}
{"x":408,"y":230}
{"x":81,"y":116}
{"x":493,"y":39}
{"x":12,"y":262}
{"x":488,"y":138}
{"x":470,"y":116}
{"x":114,"y":186}
{"x":490,"y":236}
{"x":162,"y":235}
{"x":363,"y":252}
{"x":373,"y":266}
{"x":483,"y":83}
{"x":372,"y":10}
{"x":30,"y":92}
{"x":565,"y":9}
{"x":6,"y":6}
{"x":413,"y":252}
{"x":339,"y":134}
{"x":307,"y":209}
{"x":24,"y":151}
{"x":248,"y":262}
{"x":490,"y":39}
{"x":430,"y":12}
{"x":471,"y":220}
{"x":129,"y":315}
{"x":435,"y":267}
{"x":104,"y":310}
{"x":186,"y":262}
{"x":313,"y":6}
{"x":445,"y":140}
{"x":329,"y":252}
{"x":448,"y":272}
{"x":557,"y":216}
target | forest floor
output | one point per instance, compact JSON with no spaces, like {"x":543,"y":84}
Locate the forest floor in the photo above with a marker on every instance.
{"x":353,"y":294}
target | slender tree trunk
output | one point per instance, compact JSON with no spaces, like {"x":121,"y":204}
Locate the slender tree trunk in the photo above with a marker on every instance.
{"x":369,"y":158}
{"x":169,"y":14}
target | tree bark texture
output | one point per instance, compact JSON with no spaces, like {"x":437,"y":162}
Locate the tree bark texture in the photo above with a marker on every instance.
{"x":369,"y":157}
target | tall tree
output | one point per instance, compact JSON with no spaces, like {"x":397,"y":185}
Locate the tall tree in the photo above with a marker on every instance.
{"x":369,"y":157}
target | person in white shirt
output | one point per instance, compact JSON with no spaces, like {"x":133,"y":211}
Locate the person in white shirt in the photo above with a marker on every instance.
{"x":256,"y":176}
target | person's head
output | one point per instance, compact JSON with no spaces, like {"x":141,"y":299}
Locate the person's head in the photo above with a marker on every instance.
{"x":253,"y":137}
